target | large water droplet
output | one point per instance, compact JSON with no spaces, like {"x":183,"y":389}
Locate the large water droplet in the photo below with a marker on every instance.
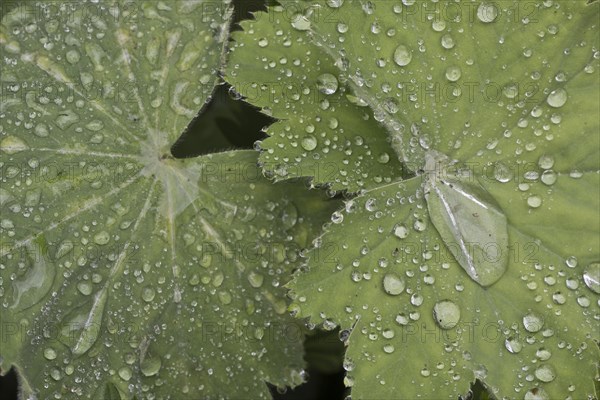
{"x":487,"y":12}
{"x":150,"y":365}
{"x":12,"y":145}
{"x":533,"y":322}
{"x":327,"y":84}
{"x":300,"y":22}
{"x":536,"y":394}
{"x":591,"y":277}
{"x":393,"y":284}
{"x":453,"y":73}
{"x":513,"y":345}
{"x":402,"y":55}
{"x":545,"y":373}
{"x":446,"y":313}
{"x":309,"y":143}
{"x":557,"y":98}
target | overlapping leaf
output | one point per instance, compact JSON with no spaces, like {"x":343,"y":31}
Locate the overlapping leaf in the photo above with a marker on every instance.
{"x":119,"y":263}
{"x":510,"y":90}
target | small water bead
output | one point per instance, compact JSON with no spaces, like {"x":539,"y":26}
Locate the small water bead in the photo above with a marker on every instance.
{"x":388,"y":348}
{"x":388,"y":333}
{"x":416,"y":299}
{"x":446,"y":313}
{"x":533,"y":322}
{"x":534,"y":201}
{"x":513,"y":345}
{"x":571,"y":261}
{"x":487,"y":12}
{"x":401,"y":231}
{"x":559,"y":298}
{"x":393,"y":284}
{"x":337,"y":217}
{"x":502,"y":173}
{"x":327,"y":83}
{"x":447,"y":41}
{"x":583,"y":301}
{"x":536,"y":394}
{"x":148,"y":294}
{"x":420,"y":225}
{"x":402,"y":319}
{"x":425,"y":372}
{"x":453,"y":73}
{"x":402,"y":55}
{"x":549,"y":177}
{"x":49,"y":353}
{"x":263,"y":42}
{"x":125,"y":373}
{"x":591,"y":277}
{"x":383,"y":158}
{"x":309,"y":143}
{"x":545,"y":373}
{"x":102,"y":238}
{"x":335,"y":3}
{"x":543,"y":354}
{"x":85,"y":288}
{"x":301,"y":22}
{"x":546,"y":162}
{"x":557,"y":98}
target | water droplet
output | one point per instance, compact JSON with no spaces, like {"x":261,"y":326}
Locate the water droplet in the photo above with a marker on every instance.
{"x":543,"y":354}
{"x":255,"y":279}
{"x":150,"y":365}
{"x":263,"y":42}
{"x":481,"y":218}
{"x":557,"y":98}
{"x":536,"y":394}
{"x":402,"y":55}
{"x":534,"y":201}
{"x":49,"y":353}
{"x":453,"y":73}
{"x":446,"y":313}
{"x":85,"y":288}
{"x":546,"y":162}
{"x":388,"y":348}
{"x":335,"y":3}
{"x":393,"y":284}
{"x":125,"y":373}
{"x":533,"y":322}
{"x":300,"y":22}
{"x":447,"y":41}
{"x":425,"y":372}
{"x":102,"y":238}
{"x":327,"y":84}
{"x":503,"y":173}
{"x":148,"y":294}
{"x":309,"y":143}
{"x":549,"y":177}
{"x":337,"y":217}
{"x":487,"y":12}
{"x":591,"y":277}
{"x":400,"y":231}
{"x":12,"y":145}
{"x":402,"y":319}
{"x":513,"y":345}
{"x":545,"y":373}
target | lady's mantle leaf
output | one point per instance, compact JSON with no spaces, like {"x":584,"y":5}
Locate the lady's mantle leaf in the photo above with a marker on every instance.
{"x":120,"y":264}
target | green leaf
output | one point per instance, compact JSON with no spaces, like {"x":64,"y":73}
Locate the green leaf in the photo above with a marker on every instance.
{"x":420,"y":327}
{"x":508,"y":91}
{"x":119,"y":263}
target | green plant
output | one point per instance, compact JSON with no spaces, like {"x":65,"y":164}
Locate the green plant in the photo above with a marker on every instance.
{"x":463,"y":137}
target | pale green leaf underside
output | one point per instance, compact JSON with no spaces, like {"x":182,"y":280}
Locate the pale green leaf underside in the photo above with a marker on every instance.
{"x":535,"y":154}
{"x":390,"y":273}
{"x":119,"y":263}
